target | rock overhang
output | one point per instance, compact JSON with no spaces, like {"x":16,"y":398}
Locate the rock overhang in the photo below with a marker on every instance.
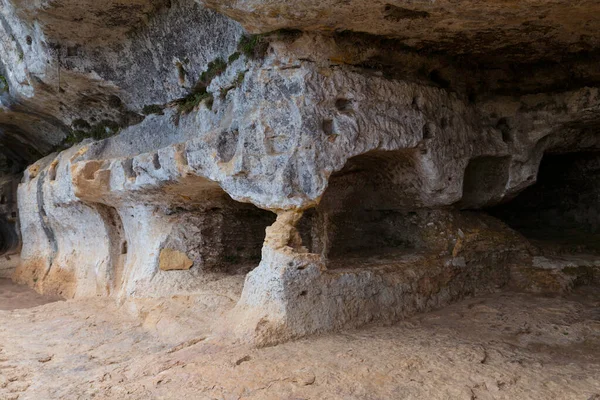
{"x":527,"y":31}
{"x":374,"y":132}
{"x":72,"y":61}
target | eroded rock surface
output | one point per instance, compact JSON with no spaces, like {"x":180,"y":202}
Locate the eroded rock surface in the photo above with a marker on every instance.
{"x":397,"y":156}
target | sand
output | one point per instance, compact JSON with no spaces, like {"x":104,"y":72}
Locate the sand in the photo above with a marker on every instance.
{"x":505,"y":345}
{"x":14,"y":297}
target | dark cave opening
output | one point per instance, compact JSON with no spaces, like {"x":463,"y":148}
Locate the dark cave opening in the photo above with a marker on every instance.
{"x":561,"y":211}
{"x":225,"y":239}
{"x":369,"y":213}
{"x":9,"y":238}
{"x":239,"y":242}
{"x":372,"y":213}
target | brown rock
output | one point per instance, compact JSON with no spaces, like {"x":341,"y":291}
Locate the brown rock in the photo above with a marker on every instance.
{"x":171,"y":260}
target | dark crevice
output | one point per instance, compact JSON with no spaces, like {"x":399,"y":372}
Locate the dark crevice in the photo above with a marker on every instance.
{"x":560,"y":211}
{"x":9,"y":238}
{"x":474,"y":76}
{"x":226,"y":239}
{"x":367,"y":210}
{"x":118,"y":246}
{"x":395,"y":13}
{"x":44,"y":221}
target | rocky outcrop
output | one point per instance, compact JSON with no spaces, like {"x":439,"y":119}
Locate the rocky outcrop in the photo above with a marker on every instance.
{"x":388,"y":165}
{"x":74,"y":69}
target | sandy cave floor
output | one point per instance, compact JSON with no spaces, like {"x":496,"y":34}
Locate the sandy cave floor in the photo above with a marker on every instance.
{"x":13,"y":297}
{"x":505,"y":345}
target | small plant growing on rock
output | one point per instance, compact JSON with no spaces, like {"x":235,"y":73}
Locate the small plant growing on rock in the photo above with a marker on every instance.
{"x":256,"y":46}
{"x":193,"y":100}
{"x":214,"y":69}
{"x":235,"y":84}
{"x":239,"y":79}
{"x":253,"y":46}
{"x":81,"y":130}
{"x":3,"y":85}
{"x":200,"y":93}
{"x":152,"y":109}
{"x":232,"y":58}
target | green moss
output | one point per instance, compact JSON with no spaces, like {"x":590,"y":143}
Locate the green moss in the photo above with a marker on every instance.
{"x":232,"y":58}
{"x":239,"y":79}
{"x":193,"y":100}
{"x":83,"y":130}
{"x":153,"y":109}
{"x":71,"y":139}
{"x":104,"y":129}
{"x":253,"y":46}
{"x":4,"y":88}
{"x":214,"y":69}
{"x":200,"y":93}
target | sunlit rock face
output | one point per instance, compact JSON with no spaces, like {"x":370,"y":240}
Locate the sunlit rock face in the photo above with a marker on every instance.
{"x":359,"y":161}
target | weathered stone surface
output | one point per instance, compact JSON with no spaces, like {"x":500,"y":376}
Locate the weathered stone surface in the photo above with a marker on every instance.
{"x":530,"y":30}
{"x":73,"y":64}
{"x":380,"y":150}
{"x":557,"y":274}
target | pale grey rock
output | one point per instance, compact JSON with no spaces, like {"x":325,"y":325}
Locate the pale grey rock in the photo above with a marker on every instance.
{"x":75,"y":61}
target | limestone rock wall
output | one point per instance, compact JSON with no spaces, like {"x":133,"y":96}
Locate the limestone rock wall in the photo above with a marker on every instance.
{"x":71,"y":65}
{"x":344,"y":172}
